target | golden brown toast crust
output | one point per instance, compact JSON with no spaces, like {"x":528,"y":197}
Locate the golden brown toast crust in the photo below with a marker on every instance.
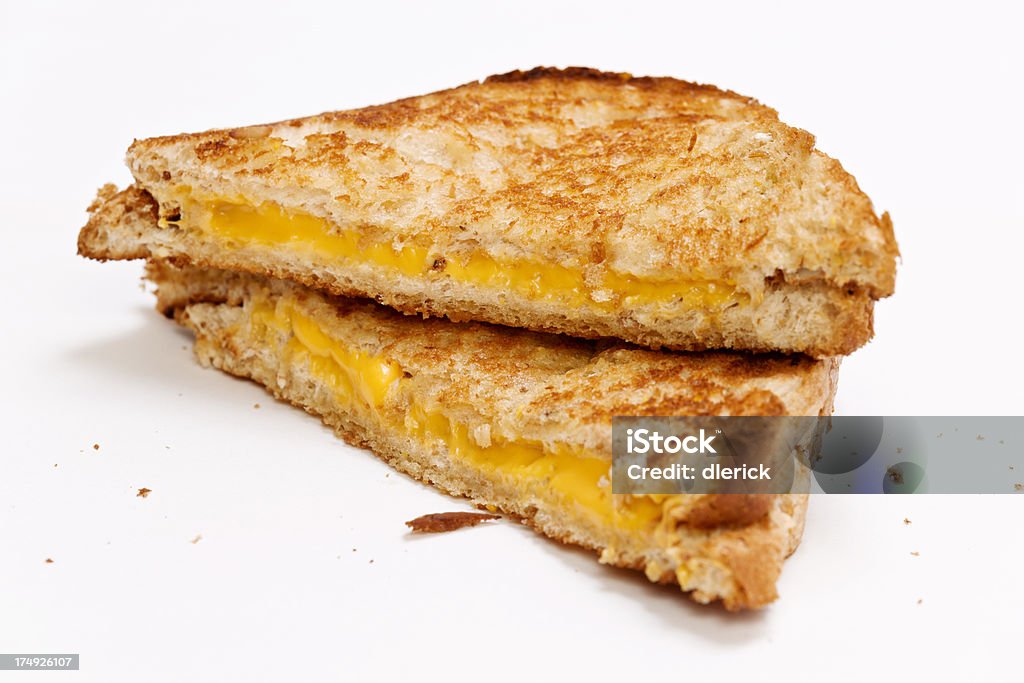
{"x":729,"y":547}
{"x":645,"y":175}
{"x":117,"y":224}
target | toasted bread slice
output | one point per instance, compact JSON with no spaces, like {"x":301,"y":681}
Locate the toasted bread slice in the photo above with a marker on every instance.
{"x":515,"y":421}
{"x":595,"y":204}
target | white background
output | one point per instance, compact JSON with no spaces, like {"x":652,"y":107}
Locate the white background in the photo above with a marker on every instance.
{"x":304,"y":570}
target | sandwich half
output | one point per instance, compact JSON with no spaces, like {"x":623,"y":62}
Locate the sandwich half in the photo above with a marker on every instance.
{"x":516,"y":421}
{"x":661,"y":212}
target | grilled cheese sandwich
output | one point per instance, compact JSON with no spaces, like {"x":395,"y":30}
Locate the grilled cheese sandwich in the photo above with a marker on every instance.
{"x":515,"y":421}
{"x":657,"y":211}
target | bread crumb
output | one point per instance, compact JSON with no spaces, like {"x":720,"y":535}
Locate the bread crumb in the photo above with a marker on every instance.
{"x":143,"y":492}
{"x":95,"y":446}
{"x":980,"y":438}
{"x":899,"y":451}
{"x":915,"y":553}
{"x":256,"y":406}
{"x":195,"y":540}
{"x":1018,"y":487}
{"x":371,"y":561}
{"x":920,"y":600}
{"x":54,"y":464}
{"x":48,"y":561}
{"x":906,"y":521}
{"x":447,"y":521}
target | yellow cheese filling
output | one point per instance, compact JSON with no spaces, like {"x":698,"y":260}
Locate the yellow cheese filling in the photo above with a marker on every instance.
{"x":268,"y":224}
{"x":361,"y":382}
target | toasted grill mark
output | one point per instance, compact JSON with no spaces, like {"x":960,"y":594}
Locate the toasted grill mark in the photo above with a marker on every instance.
{"x":582,"y":73}
{"x":569,"y":73}
{"x":447,"y":521}
{"x":213,"y":149}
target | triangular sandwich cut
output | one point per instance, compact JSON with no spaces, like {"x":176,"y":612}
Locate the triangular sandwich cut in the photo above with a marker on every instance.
{"x":661,"y":212}
{"x":517,"y":422}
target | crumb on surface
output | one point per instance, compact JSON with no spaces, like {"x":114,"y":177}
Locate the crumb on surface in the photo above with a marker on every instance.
{"x":256,"y":406}
{"x":906,"y":521}
{"x":915,"y":553}
{"x":920,"y":600}
{"x":448,"y":521}
{"x":95,"y":446}
{"x":1018,"y":487}
{"x":195,"y":540}
{"x":895,"y":475}
{"x":143,"y":492}
{"x":48,"y":560}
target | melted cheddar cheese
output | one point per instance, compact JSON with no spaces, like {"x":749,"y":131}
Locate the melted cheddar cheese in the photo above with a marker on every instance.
{"x":362,"y":381}
{"x":240,"y":224}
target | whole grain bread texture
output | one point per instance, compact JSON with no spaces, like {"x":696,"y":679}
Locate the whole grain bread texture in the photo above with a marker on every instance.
{"x":506,"y":385}
{"x":652,"y":179}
